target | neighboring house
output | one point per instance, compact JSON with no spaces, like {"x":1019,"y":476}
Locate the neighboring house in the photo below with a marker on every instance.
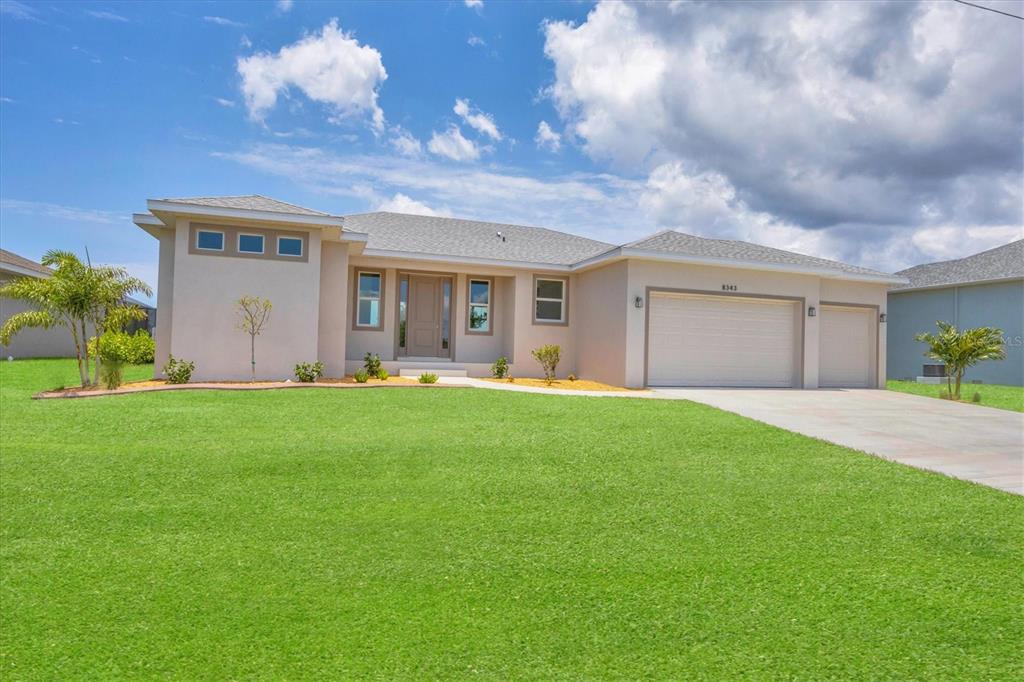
{"x":55,"y":342}
{"x":431,"y":293}
{"x":983,"y":290}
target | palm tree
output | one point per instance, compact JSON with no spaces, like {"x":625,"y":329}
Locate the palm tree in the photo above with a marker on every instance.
{"x":77,"y":296}
{"x":960,"y":349}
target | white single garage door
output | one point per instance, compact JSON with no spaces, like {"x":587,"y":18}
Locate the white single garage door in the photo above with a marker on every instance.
{"x":696,"y":340}
{"x":847,"y":350}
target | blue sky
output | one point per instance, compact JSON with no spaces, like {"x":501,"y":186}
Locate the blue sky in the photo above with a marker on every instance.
{"x":773,"y":123}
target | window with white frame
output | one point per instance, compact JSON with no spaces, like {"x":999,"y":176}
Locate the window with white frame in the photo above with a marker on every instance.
{"x":289,"y":246}
{"x":549,"y":300}
{"x":209,"y":240}
{"x":368,"y":299}
{"x":250,"y":243}
{"x":479,"y":321}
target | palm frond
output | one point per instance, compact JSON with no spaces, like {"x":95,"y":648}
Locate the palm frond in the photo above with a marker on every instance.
{"x":24,"y":320}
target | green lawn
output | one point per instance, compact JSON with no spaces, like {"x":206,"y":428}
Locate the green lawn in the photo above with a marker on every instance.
{"x":992,"y":395}
{"x":419,"y":534}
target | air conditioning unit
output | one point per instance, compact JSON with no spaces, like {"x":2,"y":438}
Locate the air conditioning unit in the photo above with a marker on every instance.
{"x":934,"y":371}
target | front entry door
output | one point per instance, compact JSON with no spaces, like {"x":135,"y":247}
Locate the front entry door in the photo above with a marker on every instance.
{"x":424,"y":332}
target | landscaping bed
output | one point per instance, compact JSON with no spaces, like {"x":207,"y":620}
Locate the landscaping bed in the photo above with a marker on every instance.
{"x":565,"y":384}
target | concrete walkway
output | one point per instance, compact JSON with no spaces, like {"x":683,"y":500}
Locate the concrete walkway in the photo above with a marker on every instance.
{"x":970,"y":442}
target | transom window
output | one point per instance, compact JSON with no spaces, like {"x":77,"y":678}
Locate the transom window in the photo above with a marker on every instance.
{"x":479,"y":306}
{"x":289,"y":246}
{"x":368,"y":297}
{"x":549,"y":300}
{"x":250,"y":243}
{"x":209,"y":240}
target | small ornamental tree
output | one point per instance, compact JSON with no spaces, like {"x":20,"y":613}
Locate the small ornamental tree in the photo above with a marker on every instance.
{"x":253,"y":316}
{"x":962,"y":348}
{"x":548,"y":357}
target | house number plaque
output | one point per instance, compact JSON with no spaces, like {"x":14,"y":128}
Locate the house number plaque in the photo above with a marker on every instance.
{"x":728,"y":287}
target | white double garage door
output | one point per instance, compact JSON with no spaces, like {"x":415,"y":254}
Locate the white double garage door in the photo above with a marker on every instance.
{"x":711,"y":340}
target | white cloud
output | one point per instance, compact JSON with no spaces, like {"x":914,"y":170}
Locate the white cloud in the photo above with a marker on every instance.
{"x":401,"y":203}
{"x":223,"y":21}
{"x":475,"y":4}
{"x":330,"y":67}
{"x":62,"y":121}
{"x":107,"y":16}
{"x":451,"y":144}
{"x":58,"y":211}
{"x":476,"y":119}
{"x":19,"y":10}
{"x":547,"y":138}
{"x":6,"y":100}
{"x":224,"y":102}
{"x":476,"y":41}
{"x":284,"y":5}
{"x":245,"y":42}
{"x":405,"y":143}
{"x":853,"y":130}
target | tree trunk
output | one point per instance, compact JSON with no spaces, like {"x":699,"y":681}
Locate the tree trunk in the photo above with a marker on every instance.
{"x":82,"y":376}
{"x":252,"y":355}
{"x":85,"y":342}
{"x":959,"y":378}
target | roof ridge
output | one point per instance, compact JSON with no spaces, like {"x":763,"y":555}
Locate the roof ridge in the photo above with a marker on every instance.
{"x":487,"y":222}
{"x":961,"y":259}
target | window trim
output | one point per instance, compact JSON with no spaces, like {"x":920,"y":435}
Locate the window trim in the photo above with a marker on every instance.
{"x":263,"y":244}
{"x":564,"y":321}
{"x":357,"y":272}
{"x":223,"y":240}
{"x":490,"y":305}
{"x":302,"y":247}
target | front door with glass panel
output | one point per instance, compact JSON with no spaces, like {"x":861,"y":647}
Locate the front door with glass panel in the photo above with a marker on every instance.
{"x":425,"y":330}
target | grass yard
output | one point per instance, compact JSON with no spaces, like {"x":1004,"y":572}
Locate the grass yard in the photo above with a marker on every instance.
{"x":470,"y":533}
{"x":992,"y":395}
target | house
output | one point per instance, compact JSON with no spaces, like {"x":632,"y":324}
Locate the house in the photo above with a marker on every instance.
{"x":983,"y":290}
{"x":451,"y":296}
{"x":45,"y":343}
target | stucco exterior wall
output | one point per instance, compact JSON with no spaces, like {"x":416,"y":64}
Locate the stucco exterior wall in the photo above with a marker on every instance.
{"x":603,"y":308}
{"x":164,"y":301}
{"x":55,"y":342}
{"x":205,"y":320}
{"x":332,"y":331}
{"x":999,"y":304}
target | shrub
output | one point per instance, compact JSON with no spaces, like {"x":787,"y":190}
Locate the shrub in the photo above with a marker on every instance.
{"x":308,"y":373}
{"x":510,"y":379}
{"x":178,"y":371}
{"x":499,"y":370}
{"x":428,"y":378}
{"x":112,"y":374}
{"x":976,"y":398}
{"x":944,"y":395}
{"x":371,"y":363}
{"x":571,"y":377}
{"x":361,"y":376}
{"x":133,"y":349}
{"x":548,"y":357}
{"x":382,"y":374}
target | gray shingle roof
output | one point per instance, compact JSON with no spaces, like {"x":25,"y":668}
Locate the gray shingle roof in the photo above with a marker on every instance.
{"x":671,"y":241}
{"x":12,"y":258}
{"x":471,"y":239}
{"x":248,"y":202}
{"x":1003,"y":262}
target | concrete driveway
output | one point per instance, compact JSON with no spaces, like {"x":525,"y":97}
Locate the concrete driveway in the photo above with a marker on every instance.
{"x":975,"y":443}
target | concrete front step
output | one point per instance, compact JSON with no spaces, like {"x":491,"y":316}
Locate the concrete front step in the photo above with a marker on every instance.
{"x":416,"y":371}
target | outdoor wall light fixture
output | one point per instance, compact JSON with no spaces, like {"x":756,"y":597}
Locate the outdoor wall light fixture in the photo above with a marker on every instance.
{"x":638,"y":301}
{"x":881,"y":318}
{"x":811,"y":311}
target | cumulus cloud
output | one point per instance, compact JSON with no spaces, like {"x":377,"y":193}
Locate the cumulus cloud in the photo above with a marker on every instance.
{"x":861,"y":124}
{"x":284,"y":5}
{"x":476,"y":41}
{"x":452,"y":145}
{"x":482,"y":122}
{"x":330,"y":67}
{"x":400,"y":203}
{"x":546,"y":138}
{"x":405,"y":143}
{"x":474,"y":4}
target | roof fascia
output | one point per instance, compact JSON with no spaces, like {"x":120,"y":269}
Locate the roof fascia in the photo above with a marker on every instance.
{"x":951,"y":285}
{"x":243,"y":214}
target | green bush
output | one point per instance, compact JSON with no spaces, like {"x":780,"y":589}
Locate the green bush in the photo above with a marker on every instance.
{"x":571,"y":377}
{"x":178,"y":371}
{"x":112,"y":374}
{"x":428,"y":378}
{"x":976,"y":398}
{"x":499,"y":370}
{"x":371,"y":363}
{"x":308,"y":373}
{"x":361,"y":376}
{"x":131,"y":349}
{"x":548,"y":357}
{"x":382,"y":374}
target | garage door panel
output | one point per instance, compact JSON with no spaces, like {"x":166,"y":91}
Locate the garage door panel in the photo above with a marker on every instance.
{"x":847,"y":347}
{"x":698,"y":340}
